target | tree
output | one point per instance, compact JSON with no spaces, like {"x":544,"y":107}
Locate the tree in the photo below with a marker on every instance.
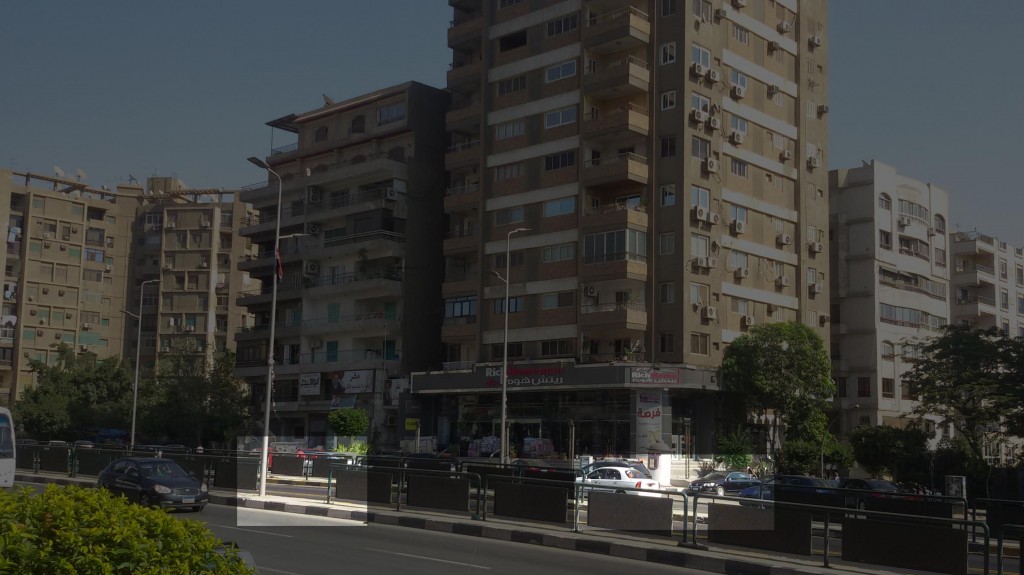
{"x":780,"y":369}
{"x":899,"y":452}
{"x":348,"y":422}
{"x":960,"y":378}
{"x":734,"y":449}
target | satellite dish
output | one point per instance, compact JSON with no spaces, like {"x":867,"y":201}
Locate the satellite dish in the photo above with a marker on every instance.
{"x":58,"y":172}
{"x":327,"y":100}
{"x":81,"y":174}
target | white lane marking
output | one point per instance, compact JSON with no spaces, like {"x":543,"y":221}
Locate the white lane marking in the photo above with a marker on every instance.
{"x":253,"y":530}
{"x":430,"y":559}
{"x":263,"y":569}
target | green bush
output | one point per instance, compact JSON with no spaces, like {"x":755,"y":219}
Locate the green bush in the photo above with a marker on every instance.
{"x":77,"y":531}
{"x":348,"y":422}
{"x":356,"y":447}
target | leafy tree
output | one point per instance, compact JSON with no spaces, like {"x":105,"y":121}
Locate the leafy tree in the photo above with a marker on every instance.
{"x":799,"y":457}
{"x":780,"y":369}
{"x":348,"y":422}
{"x":961,"y":379}
{"x":734,"y":449}
{"x":1009,"y":398}
{"x":899,"y":452}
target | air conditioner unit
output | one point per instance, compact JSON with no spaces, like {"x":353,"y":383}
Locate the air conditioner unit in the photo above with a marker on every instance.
{"x":700,"y":261}
{"x":83,"y":348}
{"x":824,"y":318}
{"x":170,"y":225}
{"x":316,"y":342}
{"x":773,"y":89}
{"x":39,"y":332}
{"x":739,"y":226}
{"x":712,"y":262}
{"x":165,"y":348}
{"x":714,"y":123}
{"x":742,"y":273}
{"x":817,"y":288}
{"x":736,"y":138}
{"x":63,"y":247}
{"x":784,"y":27}
{"x":68,"y":315}
{"x":814,"y":41}
{"x":714,"y":218}
{"x":708,"y":312}
{"x":46,"y":290}
{"x":204,"y":224}
{"x":314,"y":194}
{"x":61,"y":293}
{"x":190,"y":328}
{"x":108,"y":269}
{"x":56,"y":335}
{"x":814,"y":162}
{"x":782,"y":281}
{"x":590,"y":291}
{"x":168,"y":267}
{"x":931,"y":231}
{"x":697,"y":69}
{"x":903,"y":221}
{"x":699,"y":116}
{"x":816,"y":247}
{"x":47,"y":235}
{"x":699,"y":213}
{"x":786,"y":155}
{"x":784,"y":239}
{"x":720,"y":13}
{"x":33,"y":312}
{"x":312,"y":268}
{"x":313,"y":229}
{"x":204,"y":265}
{"x":390,"y":194}
{"x":822,"y":110}
{"x":748,"y":320}
{"x":739,"y":3}
{"x":46,"y":245}
{"x":713,"y":75}
{"x":739,"y":92}
{"x":156,"y":227}
{"x":773,"y":46}
{"x":710,"y":166}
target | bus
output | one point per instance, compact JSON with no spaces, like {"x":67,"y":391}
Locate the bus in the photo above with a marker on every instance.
{"x":6,"y":448}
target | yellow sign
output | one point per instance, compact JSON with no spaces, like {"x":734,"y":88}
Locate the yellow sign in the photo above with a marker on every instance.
{"x":412,"y":424}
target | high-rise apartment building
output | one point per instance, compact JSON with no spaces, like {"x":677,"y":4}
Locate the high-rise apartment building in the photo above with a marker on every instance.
{"x":667,"y":159}
{"x":987,"y":283}
{"x":890,"y":289}
{"x":358,"y":300}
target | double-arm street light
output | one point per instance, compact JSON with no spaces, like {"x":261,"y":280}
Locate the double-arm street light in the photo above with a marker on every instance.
{"x":504,"y":353}
{"x":265,"y":453}
{"x":138,"y":352}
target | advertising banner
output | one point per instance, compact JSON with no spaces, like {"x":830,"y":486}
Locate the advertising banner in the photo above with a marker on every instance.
{"x":309,"y":384}
{"x":359,"y":381}
{"x":648,"y":419}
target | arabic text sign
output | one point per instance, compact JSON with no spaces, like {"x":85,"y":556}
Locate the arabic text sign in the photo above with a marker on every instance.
{"x":647,"y":375}
{"x":309,"y":384}
{"x":648,"y":419}
{"x":526,"y":376}
{"x":359,"y":381}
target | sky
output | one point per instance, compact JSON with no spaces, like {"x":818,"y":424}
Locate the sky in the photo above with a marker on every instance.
{"x":122,"y":87}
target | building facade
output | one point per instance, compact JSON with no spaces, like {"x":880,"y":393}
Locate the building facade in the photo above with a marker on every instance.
{"x":891,"y":289}
{"x":358,"y":301}
{"x":987,"y":283}
{"x":653,"y":175}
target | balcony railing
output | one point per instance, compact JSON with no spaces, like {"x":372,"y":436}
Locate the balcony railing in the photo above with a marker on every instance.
{"x":630,"y":11}
{"x":614,"y":306}
{"x":332,"y":203}
{"x":283,"y":149}
{"x":615,"y":257}
{"x":342,"y":356}
{"x":341,"y":319}
{"x":457,"y":365}
{"x":462,"y":190}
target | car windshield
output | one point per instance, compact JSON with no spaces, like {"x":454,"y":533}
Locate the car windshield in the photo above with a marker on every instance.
{"x":713,"y":477}
{"x":156,"y":469}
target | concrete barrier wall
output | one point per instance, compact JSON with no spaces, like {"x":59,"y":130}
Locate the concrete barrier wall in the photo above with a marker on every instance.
{"x":772,"y":529}
{"x":937,"y":548}
{"x":534,"y":502}
{"x":628,"y":512}
{"x":437,"y":492}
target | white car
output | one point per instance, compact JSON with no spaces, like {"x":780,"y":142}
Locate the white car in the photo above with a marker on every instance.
{"x":619,"y":480}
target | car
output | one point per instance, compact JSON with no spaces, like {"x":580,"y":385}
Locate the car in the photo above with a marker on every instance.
{"x":879,"y":487}
{"x":154,"y":482}
{"x":84,"y":444}
{"x":618,"y":479}
{"x":617,"y":463}
{"x":766,"y":489}
{"x":731,"y":482}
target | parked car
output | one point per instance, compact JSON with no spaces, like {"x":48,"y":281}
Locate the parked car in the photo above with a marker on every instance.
{"x":780,"y":483}
{"x":878,"y":487}
{"x":619,"y":479}
{"x":154,"y":482}
{"x":617,"y":463}
{"x":723,"y":483}
{"x":84,"y":444}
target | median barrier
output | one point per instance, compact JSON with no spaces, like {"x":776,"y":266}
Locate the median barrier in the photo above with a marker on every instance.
{"x":770,"y":528}
{"x":934,"y":508}
{"x":629,"y":512}
{"x":235,"y":473}
{"x":25,"y":458}
{"x":288,"y":464}
{"x":445,"y":490}
{"x":354,"y":483}
{"x":527,"y":498}
{"x":1008,"y":531}
{"x":93,"y":461}
{"x":999,"y":513}
{"x":55,"y":459}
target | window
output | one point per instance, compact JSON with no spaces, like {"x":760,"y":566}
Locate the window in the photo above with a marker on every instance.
{"x":560,"y":160}
{"x":512,"y":41}
{"x":863,"y":387}
{"x":560,"y":207}
{"x":615,"y":245}
{"x":700,"y":197}
{"x":557,"y":300}
{"x":93,"y":255}
{"x":699,"y":245}
{"x":700,"y":148}
{"x":737,"y":213}
{"x":558,"y":253}
{"x":667,"y":292}
{"x":667,"y":243}
{"x":511,"y":85}
{"x":700,"y":343}
{"x":508,"y":216}
{"x":1020,"y":305}
{"x":740,"y":34}
{"x":739,"y":306}
{"x":460,"y":307}
{"x":560,"y":117}
{"x":775,"y":95}
{"x":738,"y":79}
{"x":564,"y":70}
{"x":1020,"y":275}
{"x":700,"y":55}
{"x":884,"y":202}
{"x":702,"y":10}
{"x":516,"y":259}
{"x":509,"y":129}
{"x":700,"y":294}
{"x":508,"y":171}
{"x":556,"y":347}
{"x":668,"y":146}
{"x":940,"y":257}
{"x":1004,"y":300}
{"x":321,"y":134}
{"x":668,"y":53}
{"x":515,"y":350}
{"x":563,"y":25}
{"x":358,"y":125}
{"x":515,"y":304}
{"x":699,"y":102}
{"x":884,"y":240}
{"x":1002,"y":269}
{"x":812,"y":276}
{"x":738,"y":260}
{"x":888,"y":351}
{"x":668,"y":100}
{"x":738,"y":124}
{"x":738,"y":168}
{"x":668,"y":195}
{"x":1006,"y":327}
{"x":92,"y":275}
{"x":666,"y":342}
{"x":668,"y":7}
{"x":888,"y":387}
{"x":390,"y":114}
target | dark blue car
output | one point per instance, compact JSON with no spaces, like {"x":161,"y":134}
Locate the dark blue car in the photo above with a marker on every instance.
{"x":767,"y":489}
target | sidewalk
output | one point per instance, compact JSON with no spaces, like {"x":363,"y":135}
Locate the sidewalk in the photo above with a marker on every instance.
{"x":716,"y":559}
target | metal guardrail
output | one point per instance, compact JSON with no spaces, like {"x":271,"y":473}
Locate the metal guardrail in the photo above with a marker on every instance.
{"x":1019,"y":529}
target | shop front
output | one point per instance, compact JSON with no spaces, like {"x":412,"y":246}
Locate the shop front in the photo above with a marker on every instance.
{"x":561,"y":410}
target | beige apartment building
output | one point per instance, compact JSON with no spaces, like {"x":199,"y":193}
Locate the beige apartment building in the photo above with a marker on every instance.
{"x":358,"y":300}
{"x":890,"y":289}
{"x":668,"y":161}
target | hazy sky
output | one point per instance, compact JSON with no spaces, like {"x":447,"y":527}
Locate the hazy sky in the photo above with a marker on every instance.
{"x":119,"y":87}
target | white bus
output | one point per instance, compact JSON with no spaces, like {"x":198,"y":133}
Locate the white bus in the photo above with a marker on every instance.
{"x":6,"y":448}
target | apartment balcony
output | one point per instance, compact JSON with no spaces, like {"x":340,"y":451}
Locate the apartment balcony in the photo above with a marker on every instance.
{"x":381,"y":283}
{"x":467,"y":283}
{"x":464,"y":114}
{"x":617,"y":31}
{"x":459,"y":327}
{"x":973,"y":275}
{"x":462,"y":154}
{"x":461,"y":243}
{"x":614,"y":266}
{"x":615,"y":122}
{"x":464,"y":5}
{"x":339,"y":206}
{"x":377,"y":244}
{"x":354,"y":170}
{"x":625,"y":315}
{"x":465,"y":72}
{"x":465,"y":34}
{"x":974,"y":306}
{"x":288,"y":288}
{"x":972,"y":243}
{"x":320,"y":360}
{"x":461,"y":197}
{"x":627,"y":77}
{"x":615,"y":216}
{"x":369,"y":324}
{"x":614,"y":171}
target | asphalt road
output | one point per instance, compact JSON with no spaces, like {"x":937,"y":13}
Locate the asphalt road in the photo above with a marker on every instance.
{"x":335,"y":545}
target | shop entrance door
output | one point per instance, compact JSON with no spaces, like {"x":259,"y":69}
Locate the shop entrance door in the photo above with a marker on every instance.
{"x":519,"y":432}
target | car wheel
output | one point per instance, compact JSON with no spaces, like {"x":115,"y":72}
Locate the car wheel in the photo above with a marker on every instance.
{"x":145,"y":501}
{"x":720,"y":491}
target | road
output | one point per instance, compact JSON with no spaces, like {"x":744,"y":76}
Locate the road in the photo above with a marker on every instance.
{"x":283,"y":549}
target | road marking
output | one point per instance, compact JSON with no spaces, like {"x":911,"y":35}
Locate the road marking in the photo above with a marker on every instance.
{"x":253,"y":530}
{"x":263,"y":569}
{"x":431,"y":559}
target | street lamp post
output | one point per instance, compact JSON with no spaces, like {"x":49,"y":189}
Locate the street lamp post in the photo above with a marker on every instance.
{"x":138,"y":352}
{"x":265,"y":453}
{"x":504,"y":353}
